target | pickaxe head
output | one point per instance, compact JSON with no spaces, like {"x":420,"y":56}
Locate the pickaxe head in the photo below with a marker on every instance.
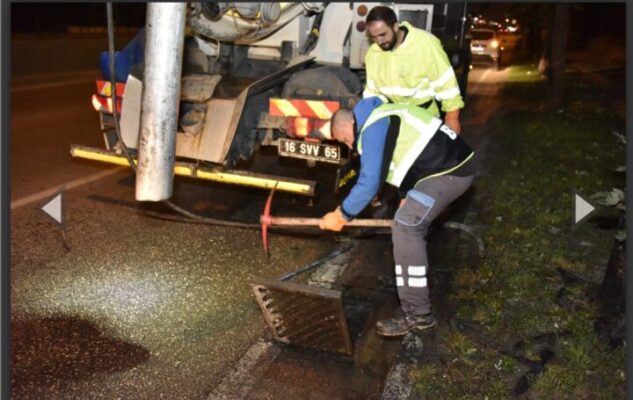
{"x":265,"y":221}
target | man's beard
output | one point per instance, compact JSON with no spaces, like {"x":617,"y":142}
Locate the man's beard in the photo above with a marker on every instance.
{"x":390,"y":45}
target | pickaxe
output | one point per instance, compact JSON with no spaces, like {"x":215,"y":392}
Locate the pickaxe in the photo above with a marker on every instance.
{"x":267,"y":220}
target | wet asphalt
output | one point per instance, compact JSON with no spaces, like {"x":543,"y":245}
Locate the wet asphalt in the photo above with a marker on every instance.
{"x":124,"y":300}
{"x":120,"y":304}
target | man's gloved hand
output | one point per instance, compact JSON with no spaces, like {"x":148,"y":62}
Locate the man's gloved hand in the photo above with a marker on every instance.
{"x":333,"y":221}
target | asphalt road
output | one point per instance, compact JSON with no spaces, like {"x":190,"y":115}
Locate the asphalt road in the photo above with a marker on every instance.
{"x":121,"y":301}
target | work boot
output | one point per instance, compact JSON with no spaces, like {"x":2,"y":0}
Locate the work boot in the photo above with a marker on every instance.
{"x":403,"y":323}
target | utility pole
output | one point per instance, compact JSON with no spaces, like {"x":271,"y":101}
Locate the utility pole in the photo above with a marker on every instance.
{"x":559,"y":52}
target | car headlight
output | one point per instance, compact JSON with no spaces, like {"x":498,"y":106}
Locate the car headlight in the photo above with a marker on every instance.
{"x":494,"y":44}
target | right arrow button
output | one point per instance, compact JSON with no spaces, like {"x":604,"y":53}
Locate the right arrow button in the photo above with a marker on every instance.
{"x":582,"y":208}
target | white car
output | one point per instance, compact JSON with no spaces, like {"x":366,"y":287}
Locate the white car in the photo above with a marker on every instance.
{"x":485,"y":45}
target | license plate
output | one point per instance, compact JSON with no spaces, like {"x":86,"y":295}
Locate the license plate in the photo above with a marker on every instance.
{"x":309,"y":151}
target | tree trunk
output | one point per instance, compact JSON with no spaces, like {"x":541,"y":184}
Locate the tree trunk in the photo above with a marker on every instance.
{"x":546,"y":42}
{"x":612,"y":297}
{"x":559,"y":53}
{"x":534,"y":40}
{"x":611,"y":294}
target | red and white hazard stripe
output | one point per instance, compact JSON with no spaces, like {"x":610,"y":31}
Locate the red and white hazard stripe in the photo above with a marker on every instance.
{"x":102,"y":103}
{"x":319,"y":109}
{"x":305,"y":118}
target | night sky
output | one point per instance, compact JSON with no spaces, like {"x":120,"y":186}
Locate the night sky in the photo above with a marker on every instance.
{"x":586,"y":18}
{"x":56,"y":17}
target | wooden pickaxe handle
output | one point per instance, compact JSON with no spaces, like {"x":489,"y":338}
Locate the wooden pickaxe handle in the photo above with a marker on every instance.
{"x":291,"y":221}
{"x":267,"y":220}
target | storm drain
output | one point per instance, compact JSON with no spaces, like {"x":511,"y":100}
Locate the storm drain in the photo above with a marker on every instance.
{"x":304,"y":315}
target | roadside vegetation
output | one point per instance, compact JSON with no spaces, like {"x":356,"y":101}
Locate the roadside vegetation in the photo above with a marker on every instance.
{"x":524,"y":316}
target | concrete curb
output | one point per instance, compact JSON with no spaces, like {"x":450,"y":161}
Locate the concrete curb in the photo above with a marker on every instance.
{"x":398,"y":385}
{"x":247,"y":372}
{"x":580,"y":68}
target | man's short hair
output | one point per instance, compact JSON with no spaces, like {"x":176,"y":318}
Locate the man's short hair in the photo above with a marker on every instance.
{"x":342,"y":115}
{"x":382,"y":13}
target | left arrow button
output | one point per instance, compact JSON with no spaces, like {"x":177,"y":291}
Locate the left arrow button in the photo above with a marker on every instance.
{"x":53,"y":208}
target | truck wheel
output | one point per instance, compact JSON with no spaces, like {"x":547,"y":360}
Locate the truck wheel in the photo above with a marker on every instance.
{"x":327,"y":83}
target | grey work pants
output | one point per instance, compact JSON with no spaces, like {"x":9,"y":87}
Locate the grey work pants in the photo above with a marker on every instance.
{"x":411,"y":223}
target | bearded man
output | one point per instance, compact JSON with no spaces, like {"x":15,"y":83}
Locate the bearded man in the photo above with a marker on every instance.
{"x":406,"y":65}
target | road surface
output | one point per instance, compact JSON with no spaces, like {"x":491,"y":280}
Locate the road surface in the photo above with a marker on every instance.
{"x":118,"y":303}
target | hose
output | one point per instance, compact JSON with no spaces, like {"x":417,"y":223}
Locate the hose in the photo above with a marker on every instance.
{"x":313,"y":37}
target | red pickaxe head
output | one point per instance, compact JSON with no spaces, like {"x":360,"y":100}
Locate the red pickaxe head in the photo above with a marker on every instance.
{"x":266,"y":222}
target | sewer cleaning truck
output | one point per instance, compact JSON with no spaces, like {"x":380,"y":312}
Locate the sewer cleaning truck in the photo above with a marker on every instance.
{"x":206,"y":84}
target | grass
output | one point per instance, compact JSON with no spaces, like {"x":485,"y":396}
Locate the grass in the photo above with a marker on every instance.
{"x":524,"y":199}
{"x":524,"y":73}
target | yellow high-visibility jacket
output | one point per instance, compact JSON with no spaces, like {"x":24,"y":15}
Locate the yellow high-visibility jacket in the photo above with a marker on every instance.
{"x":415,"y":72}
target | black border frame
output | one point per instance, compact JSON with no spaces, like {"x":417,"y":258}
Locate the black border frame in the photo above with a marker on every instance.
{"x":5,"y":112}
{"x":5,"y":199}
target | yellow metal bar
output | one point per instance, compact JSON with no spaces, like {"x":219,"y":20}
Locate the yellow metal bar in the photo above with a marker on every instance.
{"x":302,"y":187}
{"x":99,"y":155}
{"x":257,"y":181}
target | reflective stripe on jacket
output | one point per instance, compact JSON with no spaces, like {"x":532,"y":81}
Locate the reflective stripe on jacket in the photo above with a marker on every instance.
{"x":422,"y":146}
{"x":415,"y":72}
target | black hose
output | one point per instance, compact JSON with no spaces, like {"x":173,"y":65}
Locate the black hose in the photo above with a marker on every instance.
{"x":115,"y":112}
{"x":313,"y":38}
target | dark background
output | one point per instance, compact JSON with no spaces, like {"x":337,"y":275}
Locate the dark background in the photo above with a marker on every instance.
{"x":57,"y":17}
{"x":588,"y":19}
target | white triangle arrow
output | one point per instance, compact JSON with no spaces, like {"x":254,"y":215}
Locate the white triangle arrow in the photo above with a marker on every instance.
{"x":582,"y":208}
{"x":54,"y":208}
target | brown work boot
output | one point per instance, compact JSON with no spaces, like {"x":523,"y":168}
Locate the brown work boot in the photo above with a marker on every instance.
{"x":402,"y":323}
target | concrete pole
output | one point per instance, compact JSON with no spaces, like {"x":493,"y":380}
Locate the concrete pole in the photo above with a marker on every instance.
{"x":164,"y":40}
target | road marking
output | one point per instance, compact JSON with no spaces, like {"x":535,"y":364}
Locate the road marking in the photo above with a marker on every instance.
{"x":480,"y":80}
{"x":50,"y":85}
{"x":247,"y":373}
{"x":22,"y":84}
{"x":65,"y":186}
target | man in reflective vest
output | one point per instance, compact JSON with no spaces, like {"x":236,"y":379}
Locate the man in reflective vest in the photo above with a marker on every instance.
{"x":407,"y":65}
{"x":407,"y":147}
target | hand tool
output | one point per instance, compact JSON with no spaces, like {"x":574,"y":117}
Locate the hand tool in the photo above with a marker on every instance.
{"x":267,"y":220}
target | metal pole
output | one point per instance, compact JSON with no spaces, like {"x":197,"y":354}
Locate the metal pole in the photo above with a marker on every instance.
{"x":461,"y":31}
{"x":165,"y":30}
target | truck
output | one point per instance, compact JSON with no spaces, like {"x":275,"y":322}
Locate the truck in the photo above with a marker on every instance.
{"x":244,"y":76}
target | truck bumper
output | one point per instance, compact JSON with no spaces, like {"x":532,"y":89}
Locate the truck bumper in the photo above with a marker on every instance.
{"x":234,"y":177}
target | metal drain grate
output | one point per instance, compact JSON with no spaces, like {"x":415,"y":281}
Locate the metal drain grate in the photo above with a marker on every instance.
{"x":304,"y":315}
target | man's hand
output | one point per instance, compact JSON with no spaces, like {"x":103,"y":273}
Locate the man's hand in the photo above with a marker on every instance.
{"x":333,"y":221}
{"x":451,"y":119}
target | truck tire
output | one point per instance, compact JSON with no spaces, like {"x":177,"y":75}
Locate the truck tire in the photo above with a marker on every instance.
{"x":327,"y":83}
